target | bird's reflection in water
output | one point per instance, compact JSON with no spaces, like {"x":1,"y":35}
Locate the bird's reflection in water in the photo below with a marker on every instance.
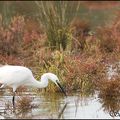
{"x":54,"y":103}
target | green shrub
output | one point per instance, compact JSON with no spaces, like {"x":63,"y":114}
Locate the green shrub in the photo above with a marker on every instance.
{"x":56,"y":17}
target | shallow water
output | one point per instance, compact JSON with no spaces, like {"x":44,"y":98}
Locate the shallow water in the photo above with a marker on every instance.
{"x":75,"y":106}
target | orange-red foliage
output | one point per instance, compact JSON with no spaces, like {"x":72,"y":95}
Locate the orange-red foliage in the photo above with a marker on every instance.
{"x":95,"y":5}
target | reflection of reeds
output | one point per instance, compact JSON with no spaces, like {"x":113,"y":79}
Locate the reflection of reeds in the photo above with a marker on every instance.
{"x":23,"y":106}
{"x":1,"y":92}
{"x":111,"y":105}
{"x":22,"y":89}
{"x":24,"y":103}
{"x":77,"y":104}
{"x":81,"y":98}
{"x":110,"y":96}
{"x":54,"y":101}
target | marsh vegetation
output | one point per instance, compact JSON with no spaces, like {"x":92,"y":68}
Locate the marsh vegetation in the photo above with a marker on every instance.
{"x":78,"y":41}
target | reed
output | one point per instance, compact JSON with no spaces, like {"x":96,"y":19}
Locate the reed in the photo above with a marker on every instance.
{"x":56,"y":17}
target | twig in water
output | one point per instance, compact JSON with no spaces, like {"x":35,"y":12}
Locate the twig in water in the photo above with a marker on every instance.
{"x":61,"y":112}
{"x":76,"y":105}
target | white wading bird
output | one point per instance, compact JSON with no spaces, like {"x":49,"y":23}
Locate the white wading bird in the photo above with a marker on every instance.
{"x":15,"y":76}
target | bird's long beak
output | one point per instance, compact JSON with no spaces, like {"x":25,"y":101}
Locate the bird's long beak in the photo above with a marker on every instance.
{"x":62,"y":89}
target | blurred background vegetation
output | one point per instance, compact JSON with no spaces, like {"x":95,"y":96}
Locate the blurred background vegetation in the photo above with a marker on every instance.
{"x":97,"y":12}
{"x":74,"y":39}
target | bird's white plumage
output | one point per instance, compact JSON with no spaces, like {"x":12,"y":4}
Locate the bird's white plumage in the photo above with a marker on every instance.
{"x":15,"y":76}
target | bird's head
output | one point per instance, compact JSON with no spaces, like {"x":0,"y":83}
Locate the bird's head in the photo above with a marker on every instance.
{"x":55,"y":79}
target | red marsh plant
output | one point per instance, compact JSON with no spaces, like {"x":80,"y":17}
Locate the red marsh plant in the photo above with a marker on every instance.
{"x":10,"y":59}
{"x":108,"y":42}
{"x":10,"y":37}
{"x":80,"y":30}
{"x":101,"y":5}
{"x":109,"y":37}
{"x":33,"y":30}
{"x":74,"y":72}
{"x":83,"y":38}
{"x":109,"y":94}
{"x":109,"y":88}
{"x":17,"y":38}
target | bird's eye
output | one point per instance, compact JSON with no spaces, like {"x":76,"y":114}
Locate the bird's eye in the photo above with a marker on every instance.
{"x":57,"y":81}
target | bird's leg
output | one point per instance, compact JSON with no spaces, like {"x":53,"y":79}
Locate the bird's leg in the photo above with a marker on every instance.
{"x":2,"y":86}
{"x":13,"y":100}
{"x":45,"y":89}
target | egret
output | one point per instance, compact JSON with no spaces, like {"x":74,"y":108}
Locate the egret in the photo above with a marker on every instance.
{"x":15,"y":76}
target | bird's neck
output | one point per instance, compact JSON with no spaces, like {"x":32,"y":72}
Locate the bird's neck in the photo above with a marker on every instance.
{"x":40,"y":84}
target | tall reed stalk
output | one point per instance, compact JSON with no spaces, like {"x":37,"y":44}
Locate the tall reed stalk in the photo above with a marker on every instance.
{"x":56,"y":17}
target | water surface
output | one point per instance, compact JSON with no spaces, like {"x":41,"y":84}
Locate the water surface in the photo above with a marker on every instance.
{"x":51,"y":106}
